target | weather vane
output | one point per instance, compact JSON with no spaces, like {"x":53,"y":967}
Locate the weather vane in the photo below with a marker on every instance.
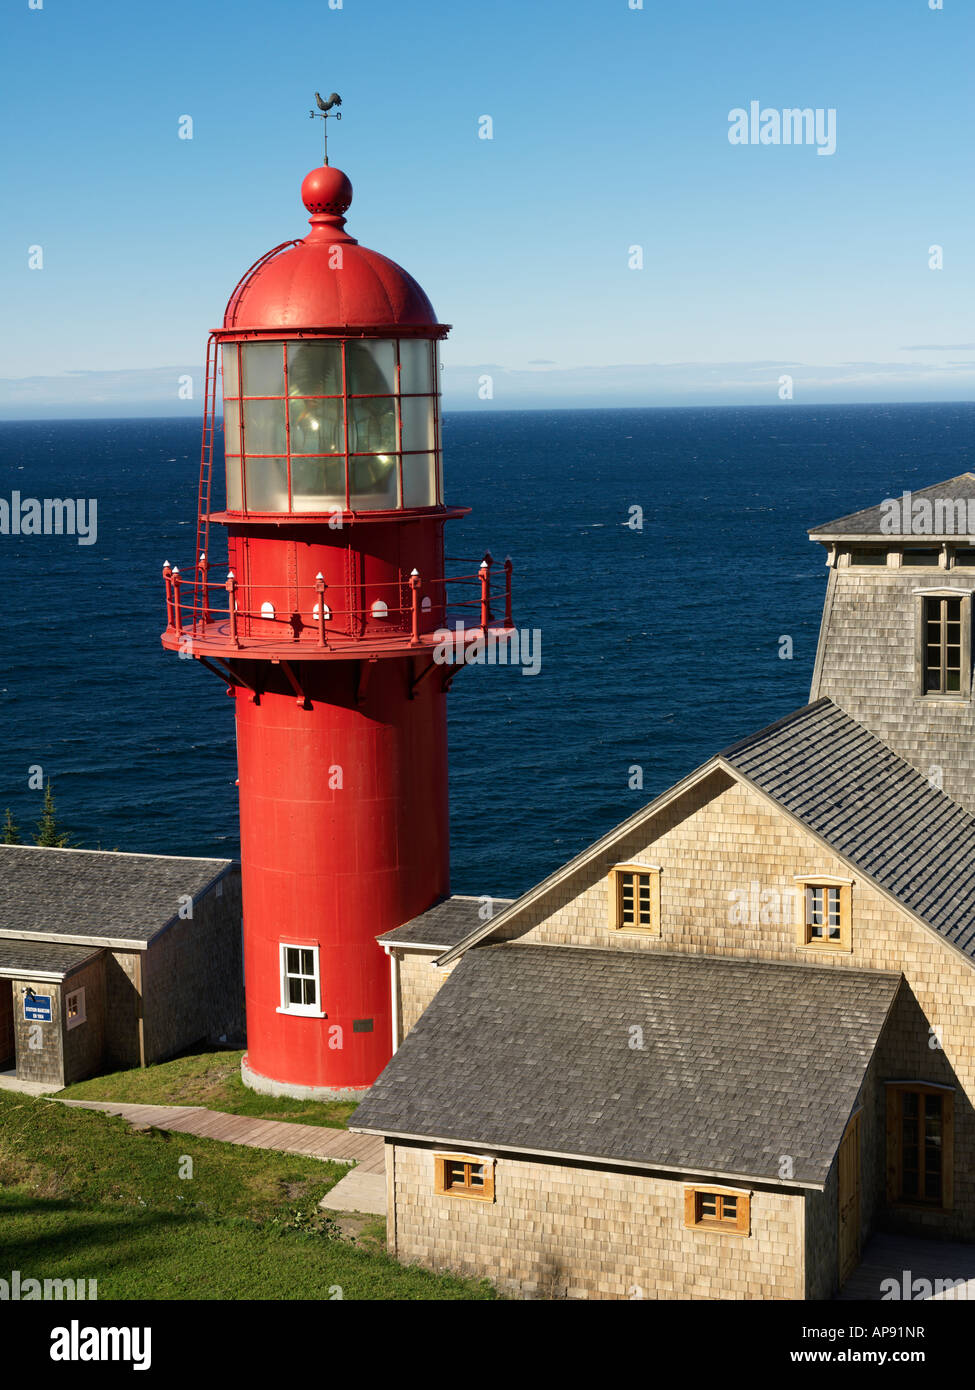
{"x":325,"y":110}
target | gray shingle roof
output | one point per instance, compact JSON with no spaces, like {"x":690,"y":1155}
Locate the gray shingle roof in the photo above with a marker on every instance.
{"x":96,"y":895}
{"x":867,"y":522}
{"x":444,"y":924}
{"x":528,"y":1047}
{"x":873,"y":808}
{"x":28,"y":958}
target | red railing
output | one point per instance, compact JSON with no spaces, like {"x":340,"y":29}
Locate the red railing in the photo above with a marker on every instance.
{"x":214,"y":610}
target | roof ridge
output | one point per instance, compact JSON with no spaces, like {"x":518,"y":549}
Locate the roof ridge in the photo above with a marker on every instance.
{"x":121,"y":853}
{"x":614,"y":954}
{"x":874,"y":506}
{"x":778,"y":724}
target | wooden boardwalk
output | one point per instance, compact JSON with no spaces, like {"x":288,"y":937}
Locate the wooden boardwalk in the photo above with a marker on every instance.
{"x":917,"y":1266}
{"x":364,"y":1150}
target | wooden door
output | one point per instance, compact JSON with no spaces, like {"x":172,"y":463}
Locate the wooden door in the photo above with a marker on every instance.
{"x":6,"y":1023}
{"x":849,"y":1199}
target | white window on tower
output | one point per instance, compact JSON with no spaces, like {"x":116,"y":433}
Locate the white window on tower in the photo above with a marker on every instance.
{"x":300,"y":981}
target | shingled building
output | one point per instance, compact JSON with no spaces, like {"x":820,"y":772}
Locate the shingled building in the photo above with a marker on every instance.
{"x":720,"y":1047}
{"x":114,"y":960}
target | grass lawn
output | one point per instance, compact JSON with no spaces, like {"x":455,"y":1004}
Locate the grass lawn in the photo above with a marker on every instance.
{"x":206,"y":1078}
{"x":83,"y":1196}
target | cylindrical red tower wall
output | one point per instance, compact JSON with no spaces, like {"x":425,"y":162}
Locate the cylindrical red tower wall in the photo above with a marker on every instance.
{"x":360,"y":562}
{"x":344,"y":835}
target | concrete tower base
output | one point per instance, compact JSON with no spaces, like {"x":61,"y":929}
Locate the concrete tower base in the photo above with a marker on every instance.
{"x":266,"y":1087}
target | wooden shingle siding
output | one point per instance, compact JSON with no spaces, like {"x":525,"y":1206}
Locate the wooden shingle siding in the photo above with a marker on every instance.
{"x":559,"y":1231}
{"x":719,"y":839}
{"x":868,"y":665}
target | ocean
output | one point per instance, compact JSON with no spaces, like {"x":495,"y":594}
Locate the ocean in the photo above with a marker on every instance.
{"x":659,"y":646}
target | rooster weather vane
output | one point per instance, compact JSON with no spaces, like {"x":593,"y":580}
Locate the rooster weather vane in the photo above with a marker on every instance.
{"x":325,"y":110}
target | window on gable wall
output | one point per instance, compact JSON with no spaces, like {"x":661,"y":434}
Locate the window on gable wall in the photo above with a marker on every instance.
{"x":826,"y":914}
{"x":634,"y":898}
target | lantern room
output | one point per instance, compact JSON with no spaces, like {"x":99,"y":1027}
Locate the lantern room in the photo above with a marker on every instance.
{"x":337,"y":407}
{"x":319,"y":425}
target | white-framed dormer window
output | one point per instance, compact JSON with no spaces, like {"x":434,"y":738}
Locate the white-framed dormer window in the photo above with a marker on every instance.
{"x":301,"y":986}
{"x":74,"y":1008}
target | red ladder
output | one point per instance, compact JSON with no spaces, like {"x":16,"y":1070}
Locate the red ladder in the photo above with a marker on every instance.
{"x":201,"y":603}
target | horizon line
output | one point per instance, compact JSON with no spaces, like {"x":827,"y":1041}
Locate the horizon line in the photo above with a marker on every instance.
{"x":781,"y":407}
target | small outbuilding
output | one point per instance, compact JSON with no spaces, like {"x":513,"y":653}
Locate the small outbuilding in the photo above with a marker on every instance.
{"x":112,"y":960}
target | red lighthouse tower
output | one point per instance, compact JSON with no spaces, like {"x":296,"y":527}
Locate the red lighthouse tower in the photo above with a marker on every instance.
{"x":325,"y":629}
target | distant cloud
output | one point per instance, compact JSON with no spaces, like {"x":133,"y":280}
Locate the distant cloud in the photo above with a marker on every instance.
{"x":703,"y":383}
{"x":539,"y":385}
{"x":153,"y":391}
{"x":542,"y":362}
{"x":939,"y":347}
{"x":137,"y":392}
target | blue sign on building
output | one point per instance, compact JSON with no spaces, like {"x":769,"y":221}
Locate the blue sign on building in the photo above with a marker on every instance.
{"x":37,"y":1008}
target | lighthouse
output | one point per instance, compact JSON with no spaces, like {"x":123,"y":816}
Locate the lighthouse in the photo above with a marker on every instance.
{"x":327,"y":628}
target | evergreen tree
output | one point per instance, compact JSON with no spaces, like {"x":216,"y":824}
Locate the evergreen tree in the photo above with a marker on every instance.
{"x":49,"y":832}
{"x":10,"y":835}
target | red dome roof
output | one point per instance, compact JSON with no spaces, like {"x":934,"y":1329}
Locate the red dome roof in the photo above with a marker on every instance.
{"x":309,"y":285}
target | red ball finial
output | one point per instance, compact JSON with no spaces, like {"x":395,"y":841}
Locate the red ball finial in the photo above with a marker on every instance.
{"x":326,"y":189}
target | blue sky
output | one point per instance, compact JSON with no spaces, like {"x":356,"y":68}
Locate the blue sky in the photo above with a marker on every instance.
{"x":610,"y":131}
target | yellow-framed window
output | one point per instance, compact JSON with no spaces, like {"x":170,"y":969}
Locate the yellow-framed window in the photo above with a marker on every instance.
{"x":634,"y":898}
{"x":464,"y":1175}
{"x":826,"y":913}
{"x":718,"y":1209}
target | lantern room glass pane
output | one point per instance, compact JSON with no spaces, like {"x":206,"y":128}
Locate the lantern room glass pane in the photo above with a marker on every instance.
{"x":231,"y":427}
{"x":416,"y":366}
{"x":417,"y":414}
{"x":419,"y":480}
{"x":317,"y":484}
{"x":315,"y":369}
{"x":317,"y":427}
{"x":264,"y":428}
{"x":231,"y":379}
{"x":263,"y":369}
{"x":372,"y":425}
{"x":235,"y":496}
{"x":267,"y":485}
{"x":371,"y":367}
{"x":373,"y":482}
